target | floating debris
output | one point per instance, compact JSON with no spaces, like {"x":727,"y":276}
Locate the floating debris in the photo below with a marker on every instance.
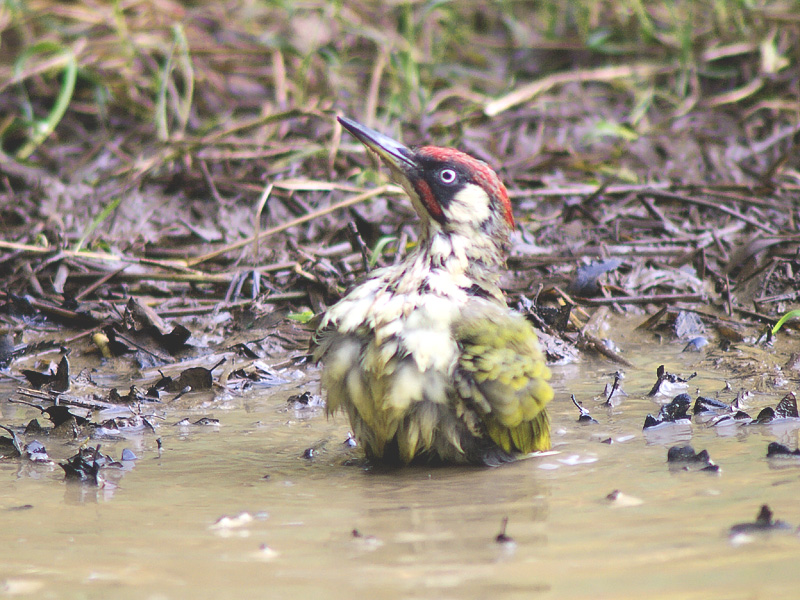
{"x":128,"y":455}
{"x":703,"y":404}
{"x":734,"y":418}
{"x":577,"y":459}
{"x":742,"y":400}
{"x":785,"y":409}
{"x":225,"y":524}
{"x":18,"y":586}
{"x":584,"y":417}
{"x":259,"y":373}
{"x":613,"y":392}
{"x":617,"y":499}
{"x":35,"y":451}
{"x":764,"y":523}
{"x":202,"y":422}
{"x":695,"y":344}
{"x":365,"y":541}
{"x":10,"y":447}
{"x":672,"y":423}
{"x":688,"y":325}
{"x":144,"y":330}
{"x":668,"y":383}
{"x":676,"y":410}
{"x":306,"y":405}
{"x":85,"y":466}
{"x":54,"y":380}
{"x":684,"y":458}
{"x":611,"y":346}
{"x":193,"y":378}
{"x":265,"y":553}
{"x":306,"y":400}
{"x":776,"y":450}
{"x":125,"y":425}
{"x":502,"y":537}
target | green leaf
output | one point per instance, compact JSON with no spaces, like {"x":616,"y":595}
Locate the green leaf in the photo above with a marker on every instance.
{"x":301,"y":317}
{"x":792,"y":314}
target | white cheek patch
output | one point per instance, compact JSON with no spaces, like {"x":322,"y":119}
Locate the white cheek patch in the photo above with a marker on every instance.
{"x":469,"y":205}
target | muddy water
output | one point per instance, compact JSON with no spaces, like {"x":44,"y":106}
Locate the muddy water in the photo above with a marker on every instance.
{"x":421,"y":533}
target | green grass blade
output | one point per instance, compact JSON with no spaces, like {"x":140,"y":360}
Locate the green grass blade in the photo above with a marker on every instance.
{"x":162,"y":128}
{"x":179,"y":52}
{"x":379,"y":248}
{"x":792,"y":314}
{"x":41,"y":129}
{"x":96,"y":221}
{"x":185,"y":103}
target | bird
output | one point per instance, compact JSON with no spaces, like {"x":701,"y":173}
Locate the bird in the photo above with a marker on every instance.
{"x":425,"y":356}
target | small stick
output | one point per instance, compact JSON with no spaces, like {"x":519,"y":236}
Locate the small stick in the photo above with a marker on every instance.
{"x":531,"y":90}
{"x":708,"y":204}
{"x":654,"y":299}
{"x":502,"y":538}
{"x":284,"y":226}
{"x":614,"y":388}
{"x":88,"y":290}
{"x":728,"y":303}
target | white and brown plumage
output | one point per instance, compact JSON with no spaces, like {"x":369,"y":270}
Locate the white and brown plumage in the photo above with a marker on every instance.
{"x":425,"y":357}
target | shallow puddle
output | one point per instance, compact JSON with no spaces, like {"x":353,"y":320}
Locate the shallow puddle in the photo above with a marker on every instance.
{"x":314,"y":528}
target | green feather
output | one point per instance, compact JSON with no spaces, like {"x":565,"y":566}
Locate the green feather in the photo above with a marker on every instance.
{"x":505,"y":368}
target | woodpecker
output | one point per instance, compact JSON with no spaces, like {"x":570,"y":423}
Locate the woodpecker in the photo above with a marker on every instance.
{"x":425,"y":357}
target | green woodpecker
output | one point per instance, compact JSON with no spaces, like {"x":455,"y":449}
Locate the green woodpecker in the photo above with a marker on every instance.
{"x":425,"y":357}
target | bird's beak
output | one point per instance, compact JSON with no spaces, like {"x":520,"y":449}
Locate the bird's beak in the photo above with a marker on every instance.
{"x":397,"y":157}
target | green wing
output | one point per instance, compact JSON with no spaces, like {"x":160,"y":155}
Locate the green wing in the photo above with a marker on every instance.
{"x":502,"y":373}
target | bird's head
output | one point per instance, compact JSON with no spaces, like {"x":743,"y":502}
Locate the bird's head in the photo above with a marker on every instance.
{"x":451,"y":191}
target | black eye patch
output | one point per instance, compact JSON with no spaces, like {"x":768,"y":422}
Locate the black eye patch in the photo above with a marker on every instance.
{"x":444,"y":179}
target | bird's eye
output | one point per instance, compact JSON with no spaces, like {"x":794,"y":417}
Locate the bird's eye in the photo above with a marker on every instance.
{"x":447,"y":176}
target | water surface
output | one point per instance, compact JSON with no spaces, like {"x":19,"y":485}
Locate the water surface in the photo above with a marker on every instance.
{"x":320,"y":529}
